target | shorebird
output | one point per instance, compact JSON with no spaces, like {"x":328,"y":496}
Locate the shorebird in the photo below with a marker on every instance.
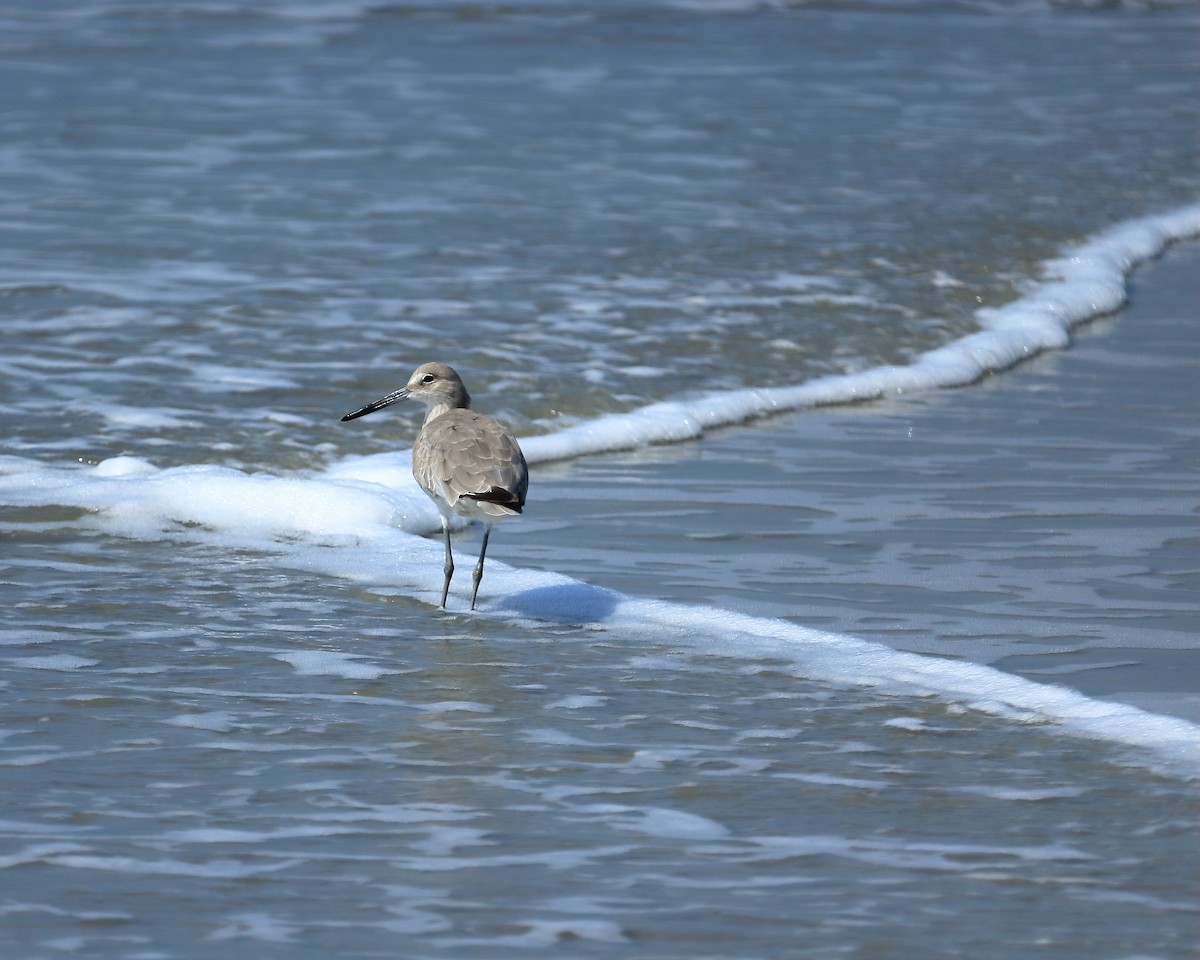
{"x":467,"y":462}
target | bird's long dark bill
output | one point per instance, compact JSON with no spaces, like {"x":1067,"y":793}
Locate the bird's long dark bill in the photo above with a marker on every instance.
{"x":379,"y":404}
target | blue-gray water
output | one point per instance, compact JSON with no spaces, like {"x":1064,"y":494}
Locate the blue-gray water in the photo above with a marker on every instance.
{"x":226,"y":224}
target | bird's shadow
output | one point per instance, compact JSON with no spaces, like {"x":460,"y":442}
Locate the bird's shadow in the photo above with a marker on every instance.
{"x":569,"y":603}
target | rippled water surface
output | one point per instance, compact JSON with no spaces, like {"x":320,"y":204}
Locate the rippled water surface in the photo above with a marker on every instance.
{"x":231,"y":723}
{"x":221,"y":222}
{"x":239,"y":770}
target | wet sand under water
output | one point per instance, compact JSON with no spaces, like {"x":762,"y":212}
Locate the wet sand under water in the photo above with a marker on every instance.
{"x":1042,"y":521}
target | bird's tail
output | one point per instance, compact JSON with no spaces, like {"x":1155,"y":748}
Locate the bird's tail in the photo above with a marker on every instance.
{"x":499,"y":496}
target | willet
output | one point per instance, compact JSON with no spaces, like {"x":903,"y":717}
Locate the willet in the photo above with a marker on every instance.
{"x":465,"y":461}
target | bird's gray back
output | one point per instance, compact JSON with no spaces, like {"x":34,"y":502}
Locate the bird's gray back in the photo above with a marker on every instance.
{"x":464,"y":454}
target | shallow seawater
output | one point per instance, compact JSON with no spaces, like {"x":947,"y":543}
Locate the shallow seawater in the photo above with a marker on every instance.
{"x":232,"y":723}
{"x":220,"y":766}
{"x":1042,"y":521}
{"x":226,"y":227}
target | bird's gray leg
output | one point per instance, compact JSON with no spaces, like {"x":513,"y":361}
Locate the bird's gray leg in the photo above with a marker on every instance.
{"x":448,"y":567}
{"x":478,"y":574}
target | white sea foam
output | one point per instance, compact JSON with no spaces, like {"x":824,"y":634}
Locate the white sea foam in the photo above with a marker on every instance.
{"x":1086,"y":282}
{"x":257,"y":926}
{"x":906,"y":855}
{"x":214,"y":377}
{"x":218,"y":721}
{"x":53,"y":661}
{"x":124,"y":416}
{"x":329,"y":662}
{"x":661,"y":822}
{"x":221,"y":869}
{"x":357,"y":520}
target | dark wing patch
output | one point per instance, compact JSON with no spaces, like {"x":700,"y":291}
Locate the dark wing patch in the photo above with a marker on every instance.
{"x":515,"y":501}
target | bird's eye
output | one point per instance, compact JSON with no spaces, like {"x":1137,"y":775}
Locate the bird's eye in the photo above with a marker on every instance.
{"x":428,"y":378}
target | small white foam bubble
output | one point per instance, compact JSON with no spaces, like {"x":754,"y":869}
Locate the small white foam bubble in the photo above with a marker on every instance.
{"x":829,"y":780}
{"x":442,"y":841}
{"x":941,"y":279}
{"x":212,"y":377}
{"x":661,"y":822}
{"x":256,"y":926}
{"x":554,"y":738}
{"x":765,"y":733}
{"x":124,"y":467}
{"x":577,"y":701}
{"x":553,"y":933}
{"x":54,"y":661}
{"x":138,"y":417}
{"x":1024,"y":794}
{"x":332,"y":663}
{"x":211,"y":869}
{"x":911,"y":724}
{"x":22,"y":638}
{"x":456,"y":706}
{"x":218,"y":721}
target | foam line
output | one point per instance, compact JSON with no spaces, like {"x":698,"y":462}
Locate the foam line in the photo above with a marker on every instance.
{"x":848,"y":661}
{"x":1087,"y":282}
{"x":358,"y":519}
{"x":394,"y":559}
{"x":129,"y":497}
